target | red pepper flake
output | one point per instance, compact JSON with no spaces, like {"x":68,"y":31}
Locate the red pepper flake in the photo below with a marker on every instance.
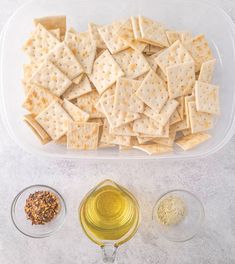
{"x":41,"y":207}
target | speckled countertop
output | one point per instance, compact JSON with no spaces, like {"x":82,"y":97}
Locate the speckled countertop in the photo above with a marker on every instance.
{"x":212,"y":179}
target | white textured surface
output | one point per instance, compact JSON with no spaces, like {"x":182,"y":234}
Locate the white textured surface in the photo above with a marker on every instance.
{"x":212,"y":179}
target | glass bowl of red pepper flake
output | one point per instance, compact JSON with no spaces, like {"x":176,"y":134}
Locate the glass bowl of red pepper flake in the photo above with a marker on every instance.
{"x":38,"y":211}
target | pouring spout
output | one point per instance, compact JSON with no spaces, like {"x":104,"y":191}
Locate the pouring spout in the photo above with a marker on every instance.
{"x":109,"y":253}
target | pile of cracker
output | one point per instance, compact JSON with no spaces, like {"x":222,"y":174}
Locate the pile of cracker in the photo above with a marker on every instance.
{"x":132,"y":83}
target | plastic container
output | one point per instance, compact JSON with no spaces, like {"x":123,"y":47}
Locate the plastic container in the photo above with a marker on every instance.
{"x":193,"y":15}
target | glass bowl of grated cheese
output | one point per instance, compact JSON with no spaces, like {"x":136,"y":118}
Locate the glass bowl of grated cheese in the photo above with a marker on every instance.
{"x":178,"y":215}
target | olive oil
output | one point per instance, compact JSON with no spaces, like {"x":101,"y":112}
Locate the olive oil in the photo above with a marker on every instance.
{"x":109,"y":213}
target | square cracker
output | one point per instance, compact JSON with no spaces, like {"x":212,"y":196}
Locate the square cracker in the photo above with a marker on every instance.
{"x":142,"y":140}
{"x":200,"y":51}
{"x":99,"y":52}
{"x":50,"y":77}
{"x":39,"y":44}
{"x":115,"y":117}
{"x":134,"y":141}
{"x":164,"y":134}
{"x":147,"y":125}
{"x":76,"y":90}
{"x":108,"y":138}
{"x":126,"y":33}
{"x":83,"y":47}
{"x":173,"y":36}
{"x":179,"y":126}
{"x":169,"y":141}
{"x":206,"y":72}
{"x":152,"y":62}
{"x":104,"y":145}
{"x":82,"y":136}
{"x":37,"y":129}
{"x":55,"y":33}
{"x":78,"y":79}
{"x":52,"y":22}
{"x":132,"y":63}
{"x":165,"y":114}
{"x":207,"y":98}
{"x":147,"y":50}
{"x":154,"y":149}
{"x":93,"y":30}
{"x":187,"y":99}
{"x":109,"y":92}
{"x":153,"y":32}
{"x":136,"y":27}
{"x":124,"y":130}
{"x":180,"y":107}
{"x":155,"y":49}
{"x":87,"y":103}
{"x":181,"y":79}
{"x":193,"y":140}
{"x":125,"y":98}
{"x":124,"y":148}
{"x":105,"y":72}
{"x":26,"y":86}
{"x":153,"y":92}
{"x":175,"y":117}
{"x":186,"y":132}
{"x":141,"y":77}
{"x":29,"y":70}
{"x":199,"y":121}
{"x":63,"y":58}
{"x":110,"y":37}
{"x":161,"y":74}
{"x":75,"y":112}
{"x":185,"y":36}
{"x":99,"y":121}
{"x":175,"y":54}
{"x":38,"y":99}
{"x":150,"y":50}
{"x":54,"y":119}
{"x":62,"y":140}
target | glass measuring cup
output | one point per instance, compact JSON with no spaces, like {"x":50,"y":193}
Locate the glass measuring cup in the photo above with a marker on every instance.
{"x":110,"y":216}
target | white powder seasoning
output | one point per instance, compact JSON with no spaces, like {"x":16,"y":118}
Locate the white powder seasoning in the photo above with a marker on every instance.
{"x":171,"y":210}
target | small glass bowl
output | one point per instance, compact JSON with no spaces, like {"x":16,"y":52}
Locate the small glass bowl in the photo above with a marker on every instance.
{"x":24,"y":225}
{"x":191,"y":223}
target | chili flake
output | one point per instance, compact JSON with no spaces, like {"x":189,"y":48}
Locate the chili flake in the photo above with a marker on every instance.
{"x":41,"y":207}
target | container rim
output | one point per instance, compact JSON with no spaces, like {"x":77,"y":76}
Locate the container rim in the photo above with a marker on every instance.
{"x":228,"y":135}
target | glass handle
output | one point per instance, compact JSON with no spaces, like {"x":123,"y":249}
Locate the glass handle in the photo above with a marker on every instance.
{"x":109,"y":253}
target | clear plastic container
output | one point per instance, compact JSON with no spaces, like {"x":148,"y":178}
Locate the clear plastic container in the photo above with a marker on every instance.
{"x":193,"y":15}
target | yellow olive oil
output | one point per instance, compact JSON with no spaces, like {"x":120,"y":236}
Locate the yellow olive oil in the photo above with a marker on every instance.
{"x":109,"y":213}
